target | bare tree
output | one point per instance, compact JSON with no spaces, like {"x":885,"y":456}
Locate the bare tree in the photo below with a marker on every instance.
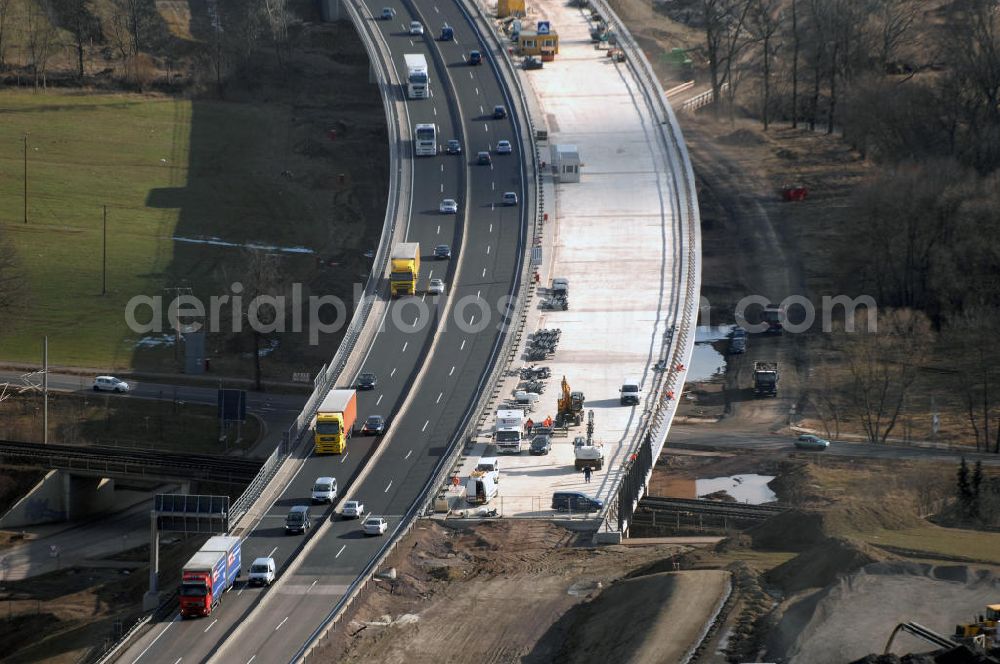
{"x":883,"y":364}
{"x":4,"y":12}
{"x":40,"y":36}
{"x":77,"y":16}
{"x":724,"y":21}
{"x":978,"y":377}
{"x":763,"y":23}
{"x":894,"y":19}
{"x":279,"y":19}
{"x":795,"y":63}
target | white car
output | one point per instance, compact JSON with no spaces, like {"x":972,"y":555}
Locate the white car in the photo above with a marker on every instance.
{"x":375,"y":525}
{"x":449,"y":206}
{"x":510,"y":198}
{"x":261,"y":572}
{"x":353,"y":509}
{"x":436,"y":287}
{"x":503,"y":147}
{"x":416,"y":28}
{"x":324,"y":490}
{"x":111,"y":384}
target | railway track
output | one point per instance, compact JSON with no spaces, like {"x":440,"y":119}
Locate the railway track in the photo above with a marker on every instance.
{"x":118,"y":462}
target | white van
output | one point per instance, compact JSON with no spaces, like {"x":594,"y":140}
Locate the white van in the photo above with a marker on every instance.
{"x":261,"y":571}
{"x":324,"y":490}
{"x":480,"y":490}
{"x":111,"y":384}
{"x":489,"y":466}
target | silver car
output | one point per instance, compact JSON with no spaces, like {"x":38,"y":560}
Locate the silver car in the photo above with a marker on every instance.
{"x":449,"y":206}
{"x":416,"y":28}
{"x":436,"y":287}
{"x":807,"y":441}
{"x":503,"y":147}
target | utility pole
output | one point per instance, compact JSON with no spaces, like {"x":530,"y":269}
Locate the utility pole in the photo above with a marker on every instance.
{"x":104,"y":255}
{"x":25,"y":177}
{"x":45,"y":391}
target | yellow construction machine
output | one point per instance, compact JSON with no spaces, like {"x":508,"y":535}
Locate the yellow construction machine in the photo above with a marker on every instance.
{"x":570,"y":406}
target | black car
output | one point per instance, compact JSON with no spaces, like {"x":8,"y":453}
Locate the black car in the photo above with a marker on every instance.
{"x":499,"y":112}
{"x":367,"y":381}
{"x":541,"y":444}
{"x":453,"y":147}
{"x":442,"y":251}
{"x":532,"y":62}
{"x":374,"y":426}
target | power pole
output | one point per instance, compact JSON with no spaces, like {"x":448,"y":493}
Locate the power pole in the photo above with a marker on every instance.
{"x":45,"y":391}
{"x":104,"y":255}
{"x":25,"y":177}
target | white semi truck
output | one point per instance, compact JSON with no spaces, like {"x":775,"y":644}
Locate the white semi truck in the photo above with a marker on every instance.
{"x":418,"y":78}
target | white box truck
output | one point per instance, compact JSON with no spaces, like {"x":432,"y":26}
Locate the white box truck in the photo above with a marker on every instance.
{"x":418,"y":78}
{"x":509,"y":431}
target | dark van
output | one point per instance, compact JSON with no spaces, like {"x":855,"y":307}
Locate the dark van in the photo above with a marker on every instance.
{"x":297,"y":520}
{"x":575,"y":501}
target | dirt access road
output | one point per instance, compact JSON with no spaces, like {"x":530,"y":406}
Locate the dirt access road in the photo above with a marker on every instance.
{"x":527,"y":591}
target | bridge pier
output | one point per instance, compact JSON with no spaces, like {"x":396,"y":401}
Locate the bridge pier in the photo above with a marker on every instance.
{"x":330,"y":10}
{"x":64,"y":496}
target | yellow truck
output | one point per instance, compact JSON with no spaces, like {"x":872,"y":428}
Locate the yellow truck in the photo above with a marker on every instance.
{"x":335,"y":421}
{"x":404,"y":268}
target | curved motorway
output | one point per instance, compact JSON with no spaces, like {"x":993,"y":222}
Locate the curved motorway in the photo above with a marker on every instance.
{"x":440,"y":376}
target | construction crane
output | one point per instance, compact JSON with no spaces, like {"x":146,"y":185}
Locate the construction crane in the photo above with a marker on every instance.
{"x":570,"y":406}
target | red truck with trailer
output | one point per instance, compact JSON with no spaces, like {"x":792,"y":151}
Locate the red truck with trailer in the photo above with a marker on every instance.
{"x":210,"y":572}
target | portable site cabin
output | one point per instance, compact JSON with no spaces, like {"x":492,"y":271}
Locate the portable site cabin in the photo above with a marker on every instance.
{"x":543,"y":41}
{"x":566,"y":163}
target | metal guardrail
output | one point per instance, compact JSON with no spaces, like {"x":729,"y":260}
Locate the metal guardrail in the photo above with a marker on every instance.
{"x":700,"y":100}
{"x":678,"y":343}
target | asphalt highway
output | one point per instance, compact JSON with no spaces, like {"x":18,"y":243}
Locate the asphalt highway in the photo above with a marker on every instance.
{"x":486,"y":240}
{"x":708,"y":437}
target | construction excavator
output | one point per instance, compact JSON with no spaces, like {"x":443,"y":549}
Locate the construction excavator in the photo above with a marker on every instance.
{"x":979,"y":636}
{"x":570,"y":406}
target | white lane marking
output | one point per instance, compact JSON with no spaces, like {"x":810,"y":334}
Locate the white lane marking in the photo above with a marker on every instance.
{"x":423,"y":298}
{"x":482,"y":110}
{"x":487,"y":250}
{"x":241,"y":591}
{"x":470,"y":74}
{"x":491,"y":227}
{"x":211,"y":625}
{"x":311,"y":585}
{"x":392,"y":373}
{"x":493,"y":186}
{"x":477,"y":91}
{"x":436,"y":10}
{"x":439,"y":397}
{"x":477,"y":294}
{"x":462,"y":347}
{"x":280,"y":624}
{"x":156,"y":639}
{"x":344,"y":458}
{"x":452,"y":371}
{"x":252,"y":658}
{"x":272,"y":552}
{"x":442,"y":168}
{"x":442,"y":187}
{"x":379,"y":399}
{"x":178,"y":660}
{"x":407,"y":455}
{"x":473,"y":321}
{"x":341,"y":551}
{"x":486,"y":126}
{"x":493,"y":206}
{"x":411,"y":43}
{"x":424,"y":428}
{"x":387,"y":487}
{"x":405,"y":344}
{"x":439,"y":229}
{"x":435,"y":110}
{"x":484,"y":272}
{"x":455,"y":39}
{"x":491,"y":167}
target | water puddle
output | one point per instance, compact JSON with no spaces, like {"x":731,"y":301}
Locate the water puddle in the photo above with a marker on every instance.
{"x":750,"y":489}
{"x":706,"y":361}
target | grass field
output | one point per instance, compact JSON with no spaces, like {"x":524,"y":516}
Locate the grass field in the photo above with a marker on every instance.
{"x":243,"y":173}
{"x":126,"y":422}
